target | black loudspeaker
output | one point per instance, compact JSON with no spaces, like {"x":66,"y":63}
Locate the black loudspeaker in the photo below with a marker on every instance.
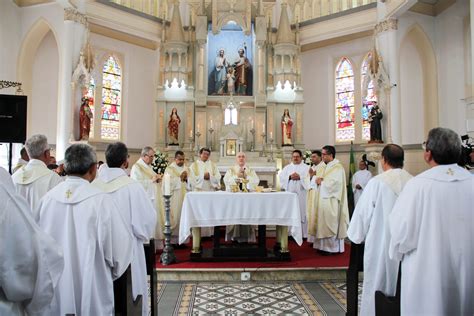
{"x":12,"y":118}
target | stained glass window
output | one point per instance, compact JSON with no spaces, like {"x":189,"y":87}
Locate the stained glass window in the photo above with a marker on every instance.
{"x":111,"y":99}
{"x":91,"y":96}
{"x":344,"y":101}
{"x":368,"y":96}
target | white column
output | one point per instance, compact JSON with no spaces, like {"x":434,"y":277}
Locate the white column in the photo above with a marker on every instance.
{"x":71,"y":44}
{"x":386,"y":37}
{"x":395,"y":106}
{"x":471,"y":8}
{"x":64,"y":130}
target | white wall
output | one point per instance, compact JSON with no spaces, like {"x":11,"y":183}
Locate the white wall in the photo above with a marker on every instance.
{"x":10,"y":35}
{"x":318,"y":67}
{"x":412,"y":96}
{"x":140,"y":67}
{"x":450,"y":49}
{"x":44,"y":98}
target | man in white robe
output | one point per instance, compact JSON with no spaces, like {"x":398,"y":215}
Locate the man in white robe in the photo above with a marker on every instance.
{"x":295,"y":178}
{"x":234,"y":177}
{"x":360,"y":180}
{"x":22,"y":161}
{"x":316,"y":171}
{"x":95,"y":239}
{"x":31,"y":262}
{"x":368,"y":224}
{"x":431,"y":227}
{"x":136,"y":209}
{"x":151,"y":182}
{"x":203,"y":176}
{"x":34,"y":180}
{"x":179,"y":187}
{"x":333,"y":213}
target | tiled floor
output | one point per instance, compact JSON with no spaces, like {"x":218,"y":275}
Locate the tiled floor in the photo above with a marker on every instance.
{"x":252,"y":298}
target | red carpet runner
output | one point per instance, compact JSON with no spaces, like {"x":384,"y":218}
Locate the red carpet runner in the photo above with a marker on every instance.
{"x":301,"y":257}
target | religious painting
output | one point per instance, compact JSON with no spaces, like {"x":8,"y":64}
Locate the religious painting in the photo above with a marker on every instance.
{"x":230,"y":147}
{"x":230,"y":61}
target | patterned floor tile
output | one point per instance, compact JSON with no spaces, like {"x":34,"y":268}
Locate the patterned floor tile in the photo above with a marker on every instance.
{"x":245,"y":299}
{"x":337,"y":290}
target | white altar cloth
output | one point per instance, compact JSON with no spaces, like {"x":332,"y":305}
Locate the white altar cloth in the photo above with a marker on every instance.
{"x":209,"y":209}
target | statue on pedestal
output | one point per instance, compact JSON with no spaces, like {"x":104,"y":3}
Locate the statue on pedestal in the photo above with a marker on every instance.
{"x":243,"y":70}
{"x":221,"y":65}
{"x":375,"y":127}
{"x":173,"y":127}
{"x":286,"y":126}
{"x":85,"y":117}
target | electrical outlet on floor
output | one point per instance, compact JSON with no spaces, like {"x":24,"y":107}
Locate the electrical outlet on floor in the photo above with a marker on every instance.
{"x":245,"y":276}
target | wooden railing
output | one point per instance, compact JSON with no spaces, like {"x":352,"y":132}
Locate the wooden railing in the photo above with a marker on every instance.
{"x":304,"y":10}
{"x":149,"y":7}
{"x":312,"y":9}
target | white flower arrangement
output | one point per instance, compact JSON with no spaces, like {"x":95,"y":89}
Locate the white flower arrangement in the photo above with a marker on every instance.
{"x":160,"y":162}
{"x":307,"y":157}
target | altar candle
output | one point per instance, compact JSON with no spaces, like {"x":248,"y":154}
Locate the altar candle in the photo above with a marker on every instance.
{"x":252,"y":124}
{"x":211,"y":124}
{"x":263,"y":127}
{"x":271,"y":134}
{"x":198,"y":128}
{"x":191,"y":134}
{"x":167,"y":184}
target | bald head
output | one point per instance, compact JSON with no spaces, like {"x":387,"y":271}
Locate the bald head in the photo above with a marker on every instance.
{"x":241,"y":159}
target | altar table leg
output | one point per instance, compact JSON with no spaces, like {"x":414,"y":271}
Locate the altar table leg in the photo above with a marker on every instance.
{"x":284,"y":238}
{"x":196,"y":231}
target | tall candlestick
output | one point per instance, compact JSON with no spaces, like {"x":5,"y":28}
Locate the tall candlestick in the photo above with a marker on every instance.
{"x":167,"y":184}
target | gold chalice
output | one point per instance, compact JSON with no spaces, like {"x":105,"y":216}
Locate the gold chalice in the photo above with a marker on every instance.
{"x":244,"y":184}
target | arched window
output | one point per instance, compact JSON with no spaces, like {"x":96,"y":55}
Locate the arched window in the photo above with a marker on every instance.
{"x":111,"y":100}
{"x":368,"y":96}
{"x":344,"y":101}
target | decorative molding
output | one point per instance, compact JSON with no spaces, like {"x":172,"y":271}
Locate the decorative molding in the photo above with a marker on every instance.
{"x":71,"y":14}
{"x":386,"y":25}
{"x":9,"y":84}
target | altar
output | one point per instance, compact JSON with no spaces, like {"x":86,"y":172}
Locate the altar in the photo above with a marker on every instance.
{"x":211,"y":209}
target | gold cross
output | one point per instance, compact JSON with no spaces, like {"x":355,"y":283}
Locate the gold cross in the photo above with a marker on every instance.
{"x":68,"y":194}
{"x":450,"y":172}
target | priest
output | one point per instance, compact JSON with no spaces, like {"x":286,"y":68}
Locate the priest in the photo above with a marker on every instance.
{"x":203,"y":176}
{"x":151,"y":182}
{"x":295,"y":178}
{"x":96,"y":241}
{"x":333,"y":213}
{"x":360,"y":180}
{"x":316,"y":171}
{"x":179,"y":174}
{"x":22,"y":161}
{"x":34,"y":180}
{"x":134,"y":207}
{"x":31,"y":262}
{"x":368,"y":224}
{"x":233,"y":177}
{"x":431,"y":233}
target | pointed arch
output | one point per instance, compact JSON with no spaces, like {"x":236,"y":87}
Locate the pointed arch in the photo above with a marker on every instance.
{"x":368,"y":96}
{"x":344,"y":101}
{"x":26,"y":58}
{"x":417,"y":37}
{"x":111,"y":103}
